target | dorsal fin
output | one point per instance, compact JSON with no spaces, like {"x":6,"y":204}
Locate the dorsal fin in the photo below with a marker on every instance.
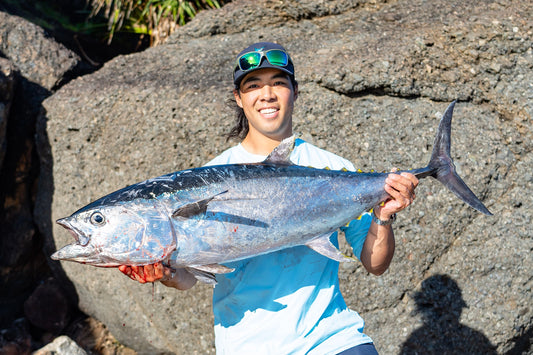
{"x":282,"y":153}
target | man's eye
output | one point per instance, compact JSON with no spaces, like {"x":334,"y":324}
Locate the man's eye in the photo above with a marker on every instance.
{"x":250,"y":87}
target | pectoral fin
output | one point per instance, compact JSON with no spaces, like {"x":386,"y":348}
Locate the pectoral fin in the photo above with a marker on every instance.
{"x":205,"y":277}
{"x":194,"y":208}
{"x":214,"y":268}
{"x":323,"y":245}
{"x":206,"y":273}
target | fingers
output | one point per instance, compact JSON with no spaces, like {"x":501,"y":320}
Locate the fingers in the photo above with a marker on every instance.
{"x":149,"y":272}
{"x":413,"y":179}
{"x":127,"y":270}
{"x":143,"y":273}
{"x":401,"y":187}
{"x":404,"y":183}
{"x":137,"y":273}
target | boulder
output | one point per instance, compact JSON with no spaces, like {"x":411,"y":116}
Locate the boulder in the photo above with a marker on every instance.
{"x":374,"y":79}
{"x":47,"y":307}
{"x":39,"y":57}
{"x":31,"y":65}
{"x":61,"y":345}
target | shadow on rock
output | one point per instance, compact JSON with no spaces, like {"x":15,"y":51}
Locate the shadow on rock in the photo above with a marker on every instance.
{"x":34,"y":307}
{"x":440,"y":303}
{"x":522,"y":344}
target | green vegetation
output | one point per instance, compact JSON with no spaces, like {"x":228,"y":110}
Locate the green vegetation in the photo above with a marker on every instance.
{"x":126,"y":23}
{"x":52,"y":15}
{"x":155,"y":18}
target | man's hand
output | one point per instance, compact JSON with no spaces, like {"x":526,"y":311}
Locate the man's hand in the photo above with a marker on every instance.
{"x":401,"y":188}
{"x":146,"y":273}
{"x":180,"y":279}
{"x":379,"y":245}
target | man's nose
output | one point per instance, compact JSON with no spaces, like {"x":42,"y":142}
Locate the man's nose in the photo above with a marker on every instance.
{"x":267,"y":93}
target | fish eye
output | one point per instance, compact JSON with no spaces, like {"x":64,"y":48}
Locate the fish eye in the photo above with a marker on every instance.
{"x":97,"y":219}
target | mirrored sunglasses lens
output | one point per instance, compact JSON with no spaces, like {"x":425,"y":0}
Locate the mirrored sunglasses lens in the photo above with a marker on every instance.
{"x":276,"y":57}
{"x":249,"y":61}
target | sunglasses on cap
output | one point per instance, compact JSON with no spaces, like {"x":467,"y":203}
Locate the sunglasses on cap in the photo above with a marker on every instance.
{"x":252,"y":60}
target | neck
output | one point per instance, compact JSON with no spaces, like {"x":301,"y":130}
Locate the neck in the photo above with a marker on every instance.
{"x":260,"y":144}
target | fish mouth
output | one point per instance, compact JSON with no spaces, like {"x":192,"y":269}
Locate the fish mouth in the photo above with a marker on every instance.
{"x":78,"y":251}
{"x":81,"y":238}
{"x":75,"y":252}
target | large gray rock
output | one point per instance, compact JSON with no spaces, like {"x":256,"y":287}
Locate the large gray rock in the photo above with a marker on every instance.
{"x":374,"y":79}
{"x":31,"y":65}
{"x":61,"y":345}
{"x":39,"y":57}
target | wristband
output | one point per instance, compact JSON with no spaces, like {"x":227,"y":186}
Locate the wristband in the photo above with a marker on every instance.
{"x":380,"y":222}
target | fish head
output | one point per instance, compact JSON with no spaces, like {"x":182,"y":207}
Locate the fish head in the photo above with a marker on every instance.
{"x":117,"y":235}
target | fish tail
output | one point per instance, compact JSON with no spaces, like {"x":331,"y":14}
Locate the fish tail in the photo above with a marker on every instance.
{"x":441,"y":165}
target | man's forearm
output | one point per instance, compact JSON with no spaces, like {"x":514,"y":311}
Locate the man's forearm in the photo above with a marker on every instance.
{"x":378,"y":249}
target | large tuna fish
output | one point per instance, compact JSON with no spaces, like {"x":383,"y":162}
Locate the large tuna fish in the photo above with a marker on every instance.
{"x":201,"y":218}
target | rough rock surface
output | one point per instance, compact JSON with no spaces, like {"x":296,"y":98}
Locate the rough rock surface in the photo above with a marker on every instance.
{"x":62,"y":345}
{"x":47,"y":307}
{"x":374,"y":78}
{"x":39,"y":58}
{"x":31,"y":64}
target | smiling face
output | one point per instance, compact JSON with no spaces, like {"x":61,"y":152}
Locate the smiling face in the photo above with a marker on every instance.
{"x":267,"y":97}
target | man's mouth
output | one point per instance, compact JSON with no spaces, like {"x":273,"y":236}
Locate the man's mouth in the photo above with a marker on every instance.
{"x":268,"y":111}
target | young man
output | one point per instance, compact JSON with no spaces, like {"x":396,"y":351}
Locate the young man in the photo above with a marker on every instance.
{"x":288,"y":302}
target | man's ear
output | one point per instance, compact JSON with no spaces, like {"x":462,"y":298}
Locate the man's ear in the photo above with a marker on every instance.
{"x":295,"y":91}
{"x":237,"y":95}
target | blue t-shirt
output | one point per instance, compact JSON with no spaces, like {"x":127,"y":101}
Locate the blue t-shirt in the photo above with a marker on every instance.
{"x":289,"y":301}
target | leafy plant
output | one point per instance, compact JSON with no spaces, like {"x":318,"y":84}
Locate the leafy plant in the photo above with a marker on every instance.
{"x":155,"y":18}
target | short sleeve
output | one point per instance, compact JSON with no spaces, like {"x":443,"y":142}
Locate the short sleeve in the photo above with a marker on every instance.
{"x":356,"y":231}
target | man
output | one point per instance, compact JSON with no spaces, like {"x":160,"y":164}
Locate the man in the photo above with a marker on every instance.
{"x":288,"y":302}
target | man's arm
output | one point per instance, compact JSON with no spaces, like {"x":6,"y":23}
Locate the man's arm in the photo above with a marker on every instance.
{"x":379,"y":245}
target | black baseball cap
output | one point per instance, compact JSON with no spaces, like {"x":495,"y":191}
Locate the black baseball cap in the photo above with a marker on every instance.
{"x":281,"y":60}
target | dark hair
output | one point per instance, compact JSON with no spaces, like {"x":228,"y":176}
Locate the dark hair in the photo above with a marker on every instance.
{"x":240,"y":128}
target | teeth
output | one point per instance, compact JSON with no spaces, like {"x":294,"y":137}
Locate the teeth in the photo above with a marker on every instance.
{"x":268,"y":110}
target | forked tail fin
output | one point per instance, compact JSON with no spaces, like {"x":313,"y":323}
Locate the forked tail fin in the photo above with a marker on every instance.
{"x":441,"y":165}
